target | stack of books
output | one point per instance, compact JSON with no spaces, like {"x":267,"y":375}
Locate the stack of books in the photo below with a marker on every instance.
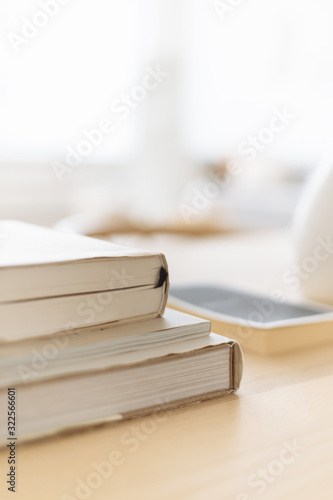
{"x":86,"y":338}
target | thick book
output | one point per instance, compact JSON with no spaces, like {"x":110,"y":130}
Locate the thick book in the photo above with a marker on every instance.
{"x":89,"y":349}
{"x":52,"y":281}
{"x":134,"y":384}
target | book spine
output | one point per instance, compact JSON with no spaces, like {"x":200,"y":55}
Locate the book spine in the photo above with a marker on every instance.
{"x":164,"y":281}
{"x":236,"y":366}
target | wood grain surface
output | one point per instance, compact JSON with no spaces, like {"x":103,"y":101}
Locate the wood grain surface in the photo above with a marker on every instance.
{"x":272,"y":440}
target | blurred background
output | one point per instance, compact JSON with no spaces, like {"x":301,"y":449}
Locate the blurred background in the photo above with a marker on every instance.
{"x":184,"y":116}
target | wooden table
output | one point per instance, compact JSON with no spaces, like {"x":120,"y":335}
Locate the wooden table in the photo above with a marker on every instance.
{"x":273,"y":440}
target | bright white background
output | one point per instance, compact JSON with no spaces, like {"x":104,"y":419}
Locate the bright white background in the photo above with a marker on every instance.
{"x":226,"y":76}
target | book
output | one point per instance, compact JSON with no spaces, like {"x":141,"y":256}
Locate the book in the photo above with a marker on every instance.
{"x":89,"y":349}
{"x":51,"y":281}
{"x":260,"y":324}
{"x":79,"y":348}
{"x":130,"y":384}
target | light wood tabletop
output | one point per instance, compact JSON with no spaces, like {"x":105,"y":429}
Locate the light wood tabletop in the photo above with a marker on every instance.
{"x":272,"y":440}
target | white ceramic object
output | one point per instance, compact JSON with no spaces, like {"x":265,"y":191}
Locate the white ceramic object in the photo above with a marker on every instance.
{"x":313,"y":235}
